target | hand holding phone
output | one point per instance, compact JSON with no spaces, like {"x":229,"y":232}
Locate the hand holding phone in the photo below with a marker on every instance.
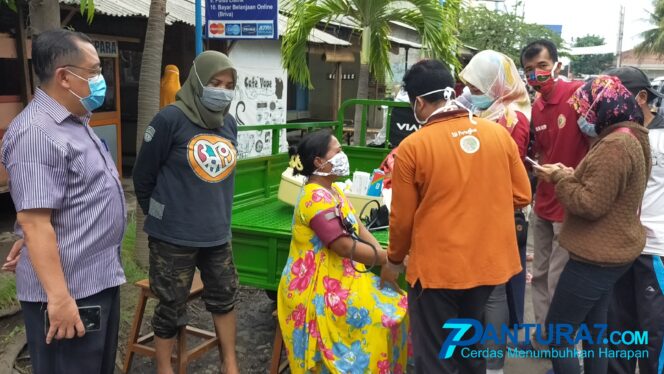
{"x":532,"y":162}
{"x":71,"y":320}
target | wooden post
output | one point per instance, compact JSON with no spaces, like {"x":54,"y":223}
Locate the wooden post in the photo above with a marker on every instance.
{"x":68,"y":17}
{"x":337,"y":57}
{"x":22,"y":55}
{"x":337,"y":97}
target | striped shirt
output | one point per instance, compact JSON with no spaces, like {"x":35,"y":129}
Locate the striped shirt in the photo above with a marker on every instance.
{"x":55,"y":161}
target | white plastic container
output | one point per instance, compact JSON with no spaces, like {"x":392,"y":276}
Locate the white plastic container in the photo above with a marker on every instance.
{"x":290,"y":187}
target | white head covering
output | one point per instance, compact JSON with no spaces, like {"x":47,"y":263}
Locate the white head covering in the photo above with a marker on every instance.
{"x":495,"y":75}
{"x":402,"y":96}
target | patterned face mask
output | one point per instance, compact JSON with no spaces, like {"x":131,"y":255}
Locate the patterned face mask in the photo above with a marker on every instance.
{"x":340,"y":166}
{"x":542,"y":80}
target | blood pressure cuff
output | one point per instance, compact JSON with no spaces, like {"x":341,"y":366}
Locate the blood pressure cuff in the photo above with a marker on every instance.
{"x":328,"y":226}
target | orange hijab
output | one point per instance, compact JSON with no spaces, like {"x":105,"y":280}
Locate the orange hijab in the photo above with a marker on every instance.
{"x":170,"y":85}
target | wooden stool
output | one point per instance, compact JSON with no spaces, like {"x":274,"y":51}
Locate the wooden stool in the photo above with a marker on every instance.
{"x":276,"y":367}
{"x":182,"y":357}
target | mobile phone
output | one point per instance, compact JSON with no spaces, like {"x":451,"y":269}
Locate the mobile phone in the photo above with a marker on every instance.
{"x":531,"y":161}
{"x":90,"y":316}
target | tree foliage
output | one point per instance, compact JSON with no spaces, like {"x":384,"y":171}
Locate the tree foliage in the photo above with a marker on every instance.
{"x":504,"y":32}
{"x":87,"y":7}
{"x":11,"y":4}
{"x":435,"y":23}
{"x":653,"y":38}
{"x":591,"y":64}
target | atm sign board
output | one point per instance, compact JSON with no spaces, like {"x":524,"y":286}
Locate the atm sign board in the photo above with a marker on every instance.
{"x":106,"y":48}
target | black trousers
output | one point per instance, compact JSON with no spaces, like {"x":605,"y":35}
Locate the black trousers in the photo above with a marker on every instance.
{"x":638,"y":304}
{"x":582,"y":296}
{"x":429,"y":309}
{"x":93,"y":353}
{"x":516,"y":287}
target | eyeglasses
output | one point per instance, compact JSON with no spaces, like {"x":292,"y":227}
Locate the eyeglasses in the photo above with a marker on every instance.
{"x":95,"y":71}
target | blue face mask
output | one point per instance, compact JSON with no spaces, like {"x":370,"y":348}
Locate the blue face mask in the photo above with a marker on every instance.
{"x":97,"y":95}
{"x":481,"y":102}
{"x":586,"y":127}
{"x":217,"y":99}
{"x":213,"y":98}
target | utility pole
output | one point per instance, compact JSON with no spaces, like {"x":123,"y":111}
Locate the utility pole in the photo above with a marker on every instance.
{"x":523,"y":10}
{"x":620,"y":36}
{"x":198,"y":27}
{"x":519,"y":8}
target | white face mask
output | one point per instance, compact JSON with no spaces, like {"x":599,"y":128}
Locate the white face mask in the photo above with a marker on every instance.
{"x":340,"y":166}
{"x":449,"y":92}
{"x":556,"y":65}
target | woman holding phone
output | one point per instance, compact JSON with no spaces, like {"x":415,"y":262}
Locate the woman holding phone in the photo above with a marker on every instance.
{"x":602,"y":230}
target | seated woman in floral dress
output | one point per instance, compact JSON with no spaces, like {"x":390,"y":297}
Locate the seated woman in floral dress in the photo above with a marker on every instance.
{"x":335,"y":317}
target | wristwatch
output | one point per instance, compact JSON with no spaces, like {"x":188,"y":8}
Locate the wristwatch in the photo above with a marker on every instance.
{"x":399,"y":268}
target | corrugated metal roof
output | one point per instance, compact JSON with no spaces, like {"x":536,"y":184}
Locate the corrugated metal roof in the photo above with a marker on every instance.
{"x":183,"y":11}
{"x":404,"y":25}
{"x":316,"y":36}
{"x":404,"y":42}
{"x":176,"y":10}
{"x":113,"y":7}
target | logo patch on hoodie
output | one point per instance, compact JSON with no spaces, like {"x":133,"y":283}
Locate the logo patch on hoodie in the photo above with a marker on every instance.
{"x":211,"y":157}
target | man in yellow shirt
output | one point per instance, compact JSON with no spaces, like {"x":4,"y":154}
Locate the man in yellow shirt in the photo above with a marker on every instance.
{"x":456,"y":183}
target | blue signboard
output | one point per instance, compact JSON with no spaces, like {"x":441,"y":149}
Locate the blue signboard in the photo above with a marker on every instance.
{"x":557,"y":29}
{"x":242,"y":19}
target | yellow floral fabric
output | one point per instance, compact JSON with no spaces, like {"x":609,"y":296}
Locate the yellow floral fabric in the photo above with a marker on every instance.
{"x":333,"y":318}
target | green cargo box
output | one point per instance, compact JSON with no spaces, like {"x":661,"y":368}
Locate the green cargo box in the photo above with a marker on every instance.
{"x":261,"y":224}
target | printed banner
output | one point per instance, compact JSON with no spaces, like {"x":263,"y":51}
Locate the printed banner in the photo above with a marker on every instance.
{"x":242,"y":19}
{"x":260,"y":99}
